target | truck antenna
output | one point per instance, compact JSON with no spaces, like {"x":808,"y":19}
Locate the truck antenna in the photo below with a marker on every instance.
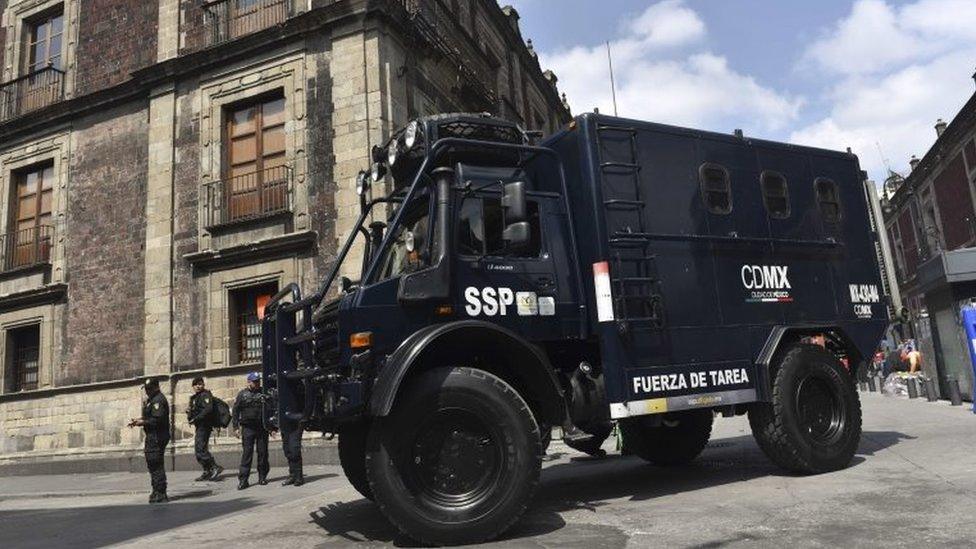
{"x":613,"y":85}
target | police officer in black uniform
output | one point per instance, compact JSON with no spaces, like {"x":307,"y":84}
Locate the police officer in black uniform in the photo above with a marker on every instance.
{"x":249,"y":423}
{"x":291,"y":442}
{"x":155,"y":422}
{"x":202,"y":414}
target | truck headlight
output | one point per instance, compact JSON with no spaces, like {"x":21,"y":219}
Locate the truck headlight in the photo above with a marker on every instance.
{"x":391,"y":153}
{"x":411,"y":133}
{"x":377,"y":172}
{"x":362,"y":183}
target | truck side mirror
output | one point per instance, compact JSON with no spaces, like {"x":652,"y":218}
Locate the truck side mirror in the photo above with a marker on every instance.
{"x":513,"y":202}
{"x":517,"y":232}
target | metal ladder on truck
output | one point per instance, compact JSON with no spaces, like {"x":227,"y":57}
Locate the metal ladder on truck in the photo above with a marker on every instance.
{"x":633,"y":269}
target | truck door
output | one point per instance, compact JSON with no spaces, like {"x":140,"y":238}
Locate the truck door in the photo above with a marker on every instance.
{"x":530,"y":291}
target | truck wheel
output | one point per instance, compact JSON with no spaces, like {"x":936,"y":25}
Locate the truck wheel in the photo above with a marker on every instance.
{"x":458,"y":458}
{"x":813,"y":424}
{"x":675,"y":439}
{"x":352,"y":456}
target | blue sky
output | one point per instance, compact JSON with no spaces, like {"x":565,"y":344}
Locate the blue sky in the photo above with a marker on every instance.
{"x":830,"y":73}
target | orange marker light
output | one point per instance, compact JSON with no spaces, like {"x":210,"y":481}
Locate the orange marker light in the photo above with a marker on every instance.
{"x":361,"y":340}
{"x":444,"y":310}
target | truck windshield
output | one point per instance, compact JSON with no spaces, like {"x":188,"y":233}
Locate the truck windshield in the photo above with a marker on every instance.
{"x":410,"y":248}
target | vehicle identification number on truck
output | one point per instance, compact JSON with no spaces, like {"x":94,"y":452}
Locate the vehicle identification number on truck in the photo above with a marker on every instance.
{"x":862,"y":296}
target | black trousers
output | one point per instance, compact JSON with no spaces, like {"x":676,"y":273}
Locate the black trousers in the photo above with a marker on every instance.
{"x":201,"y":446}
{"x":251,"y":437}
{"x":291,"y":442}
{"x":155,"y":448}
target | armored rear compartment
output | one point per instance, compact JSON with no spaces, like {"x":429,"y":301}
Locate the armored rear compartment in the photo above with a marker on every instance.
{"x":708,"y":250}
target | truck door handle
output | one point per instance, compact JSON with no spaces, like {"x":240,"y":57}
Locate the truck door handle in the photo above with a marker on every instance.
{"x":544,"y":281}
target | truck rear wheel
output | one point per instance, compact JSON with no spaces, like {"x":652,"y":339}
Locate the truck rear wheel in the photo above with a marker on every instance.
{"x":675,"y":439}
{"x":458,"y":458}
{"x":352,"y":456}
{"x":813,"y":424}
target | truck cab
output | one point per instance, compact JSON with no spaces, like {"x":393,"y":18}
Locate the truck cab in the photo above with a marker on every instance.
{"x":620,"y":272}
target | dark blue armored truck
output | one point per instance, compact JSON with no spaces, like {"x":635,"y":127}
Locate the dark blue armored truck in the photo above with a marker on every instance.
{"x":619,"y":272}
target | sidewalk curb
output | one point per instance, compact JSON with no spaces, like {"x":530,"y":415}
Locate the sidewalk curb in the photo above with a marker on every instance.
{"x":51,"y":495}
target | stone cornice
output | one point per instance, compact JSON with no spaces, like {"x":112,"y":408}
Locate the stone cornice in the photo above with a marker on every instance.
{"x":42,"y":295}
{"x":254,"y":252}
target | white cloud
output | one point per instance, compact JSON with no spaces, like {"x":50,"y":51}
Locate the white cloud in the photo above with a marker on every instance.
{"x":900,"y":69}
{"x":664,"y":73}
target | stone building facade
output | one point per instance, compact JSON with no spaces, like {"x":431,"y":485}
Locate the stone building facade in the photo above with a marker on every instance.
{"x":168,"y":165}
{"x":930,"y":220}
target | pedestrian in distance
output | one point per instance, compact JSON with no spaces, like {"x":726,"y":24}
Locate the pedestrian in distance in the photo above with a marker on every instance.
{"x":291,"y":442}
{"x":202,"y":415}
{"x":248,"y":418}
{"x":155,"y":422}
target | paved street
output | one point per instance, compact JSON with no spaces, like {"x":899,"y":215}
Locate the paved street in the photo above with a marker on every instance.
{"x":913,"y":482}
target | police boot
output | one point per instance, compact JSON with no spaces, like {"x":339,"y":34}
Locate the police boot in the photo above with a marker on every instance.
{"x":244,"y":484}
{"x":162,"y":498}
{"x":289,"y":481}
{"x":154,"y":497}
{"x":207,"y":473}
{"x":299,"y":480}
{"x":216,"y":472}
{"x":262,"y":480}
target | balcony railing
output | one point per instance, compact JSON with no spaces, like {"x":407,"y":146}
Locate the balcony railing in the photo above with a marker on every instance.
{"x":249,"y":196}
{"x":26,"y":247}
{"x":229,"y":19}
{"x":31,"y":92}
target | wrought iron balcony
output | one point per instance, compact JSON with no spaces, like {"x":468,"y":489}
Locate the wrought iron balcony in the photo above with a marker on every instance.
{"x":26,"y":248}
{"x":229,"y":19}
{"x":250,"y":196}
{"x":31,"y":92}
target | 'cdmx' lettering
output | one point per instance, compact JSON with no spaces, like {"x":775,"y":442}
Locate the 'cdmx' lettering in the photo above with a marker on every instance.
{"x":765,"y":277}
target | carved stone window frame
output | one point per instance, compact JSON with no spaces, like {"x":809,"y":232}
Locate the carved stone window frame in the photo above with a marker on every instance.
{"x":53,"y":149}
{"x":14,"y":20}
{"x":286,"y":74}
{"x":220,"y":288}
{"x":42,"y":316}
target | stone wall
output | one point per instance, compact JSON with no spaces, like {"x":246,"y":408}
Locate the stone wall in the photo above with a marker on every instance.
{"x":104,"y":252}
{"x":72,"y":422}
{"x":55,"y":423}
{"x":3,"y":35}
{"x":116,"y":37}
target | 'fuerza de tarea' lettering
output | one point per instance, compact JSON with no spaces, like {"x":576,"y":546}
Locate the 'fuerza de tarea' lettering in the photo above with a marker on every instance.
{"x":663,"y":383}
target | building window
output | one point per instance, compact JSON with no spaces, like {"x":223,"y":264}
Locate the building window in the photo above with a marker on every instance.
{"x":23,"y":357}
{"x":828,"y":197}
{"x":716,"y":188}
{"x":246,"y":311}
{"x":776,"y":194}
{"x":44,"y":38}
{"x":30,"y":236}
{"x":257,"y":176}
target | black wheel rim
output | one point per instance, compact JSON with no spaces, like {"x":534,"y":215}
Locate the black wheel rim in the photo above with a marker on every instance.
{"x":454,"y":459}
{"x":819,"y":410}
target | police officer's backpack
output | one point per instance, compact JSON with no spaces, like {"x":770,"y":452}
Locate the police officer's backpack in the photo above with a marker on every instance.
{"x":223,"y":413}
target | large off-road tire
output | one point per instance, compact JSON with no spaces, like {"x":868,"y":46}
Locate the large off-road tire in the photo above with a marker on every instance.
{"x":675,"y":439}
{"x":458,"y":458}
{"x":352,"y":456}
{"x":813,"y":424}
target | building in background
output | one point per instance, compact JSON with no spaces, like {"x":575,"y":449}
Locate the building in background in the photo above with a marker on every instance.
{"x":931,"y":225}
{"x":167,"y":166}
